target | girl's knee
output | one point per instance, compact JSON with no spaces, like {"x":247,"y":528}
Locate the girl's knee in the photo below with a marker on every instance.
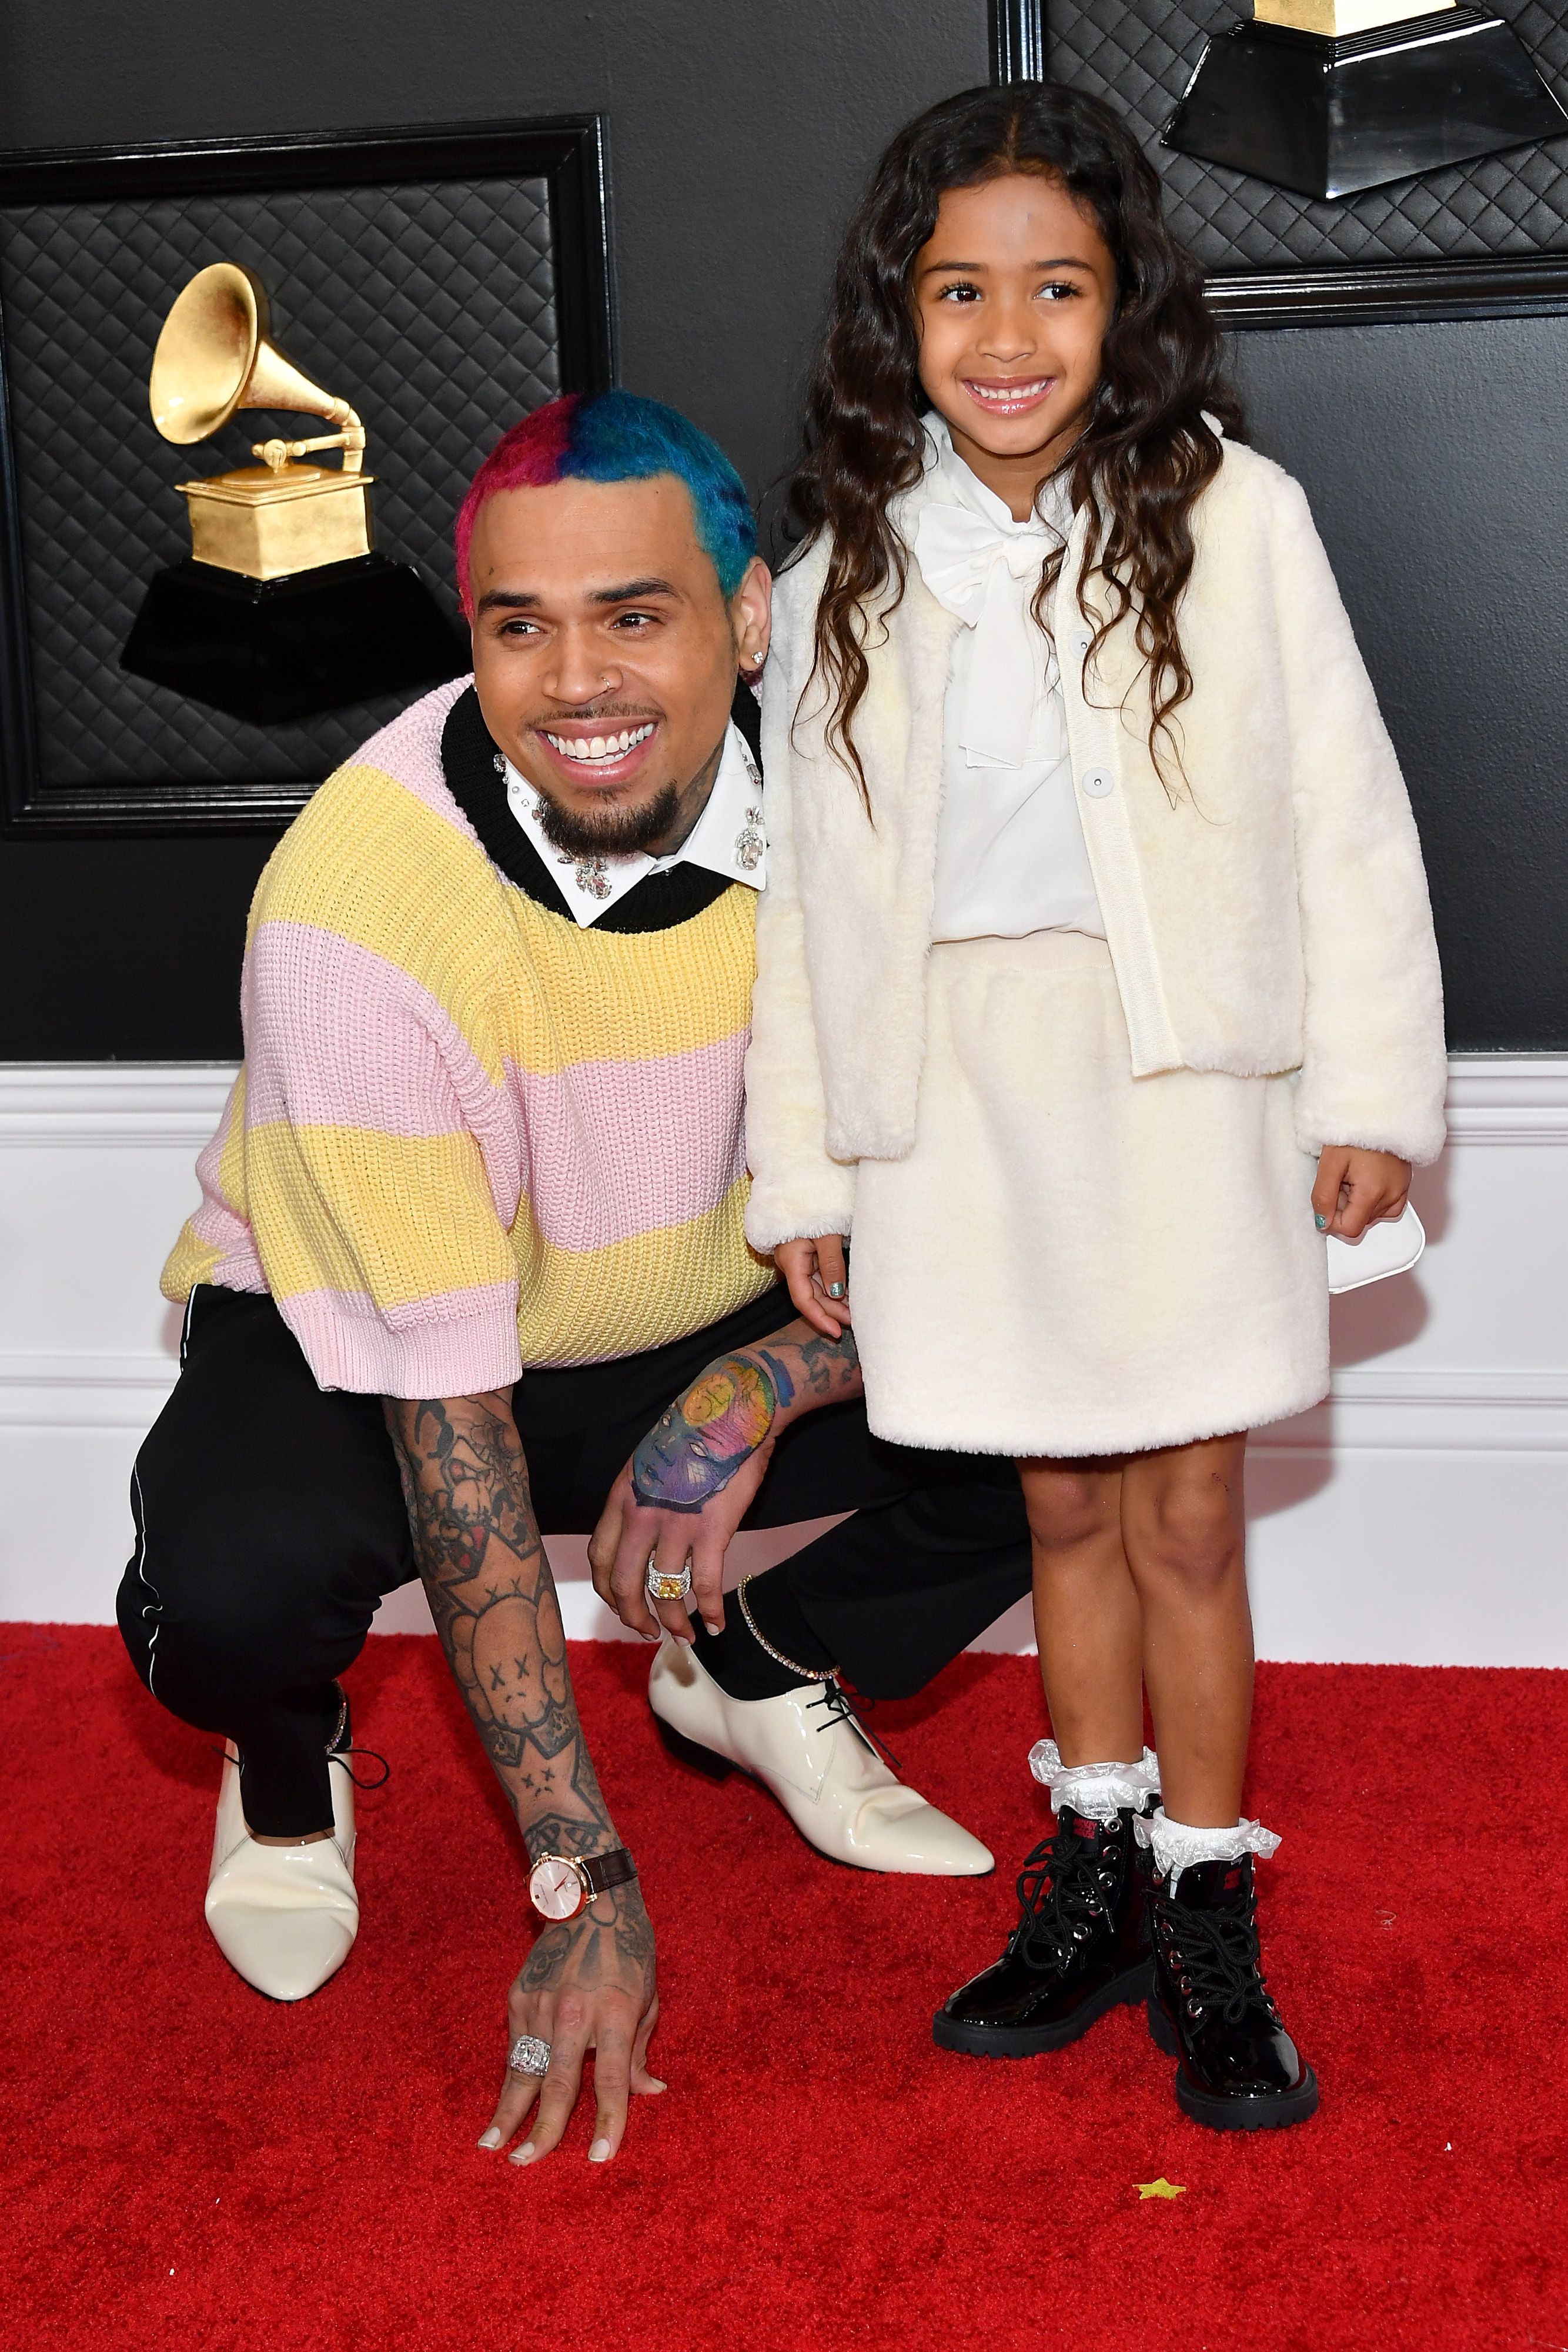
{"x":1066,"y":1507}
{"x":1187,"y":1531}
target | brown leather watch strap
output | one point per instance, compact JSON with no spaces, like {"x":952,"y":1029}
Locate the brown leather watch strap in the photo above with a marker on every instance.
{"x":603,"y":1871}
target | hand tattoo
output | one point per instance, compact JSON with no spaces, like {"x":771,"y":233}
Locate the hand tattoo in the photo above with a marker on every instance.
{"x":493,"y":1601}
{"x":695,"y":1450}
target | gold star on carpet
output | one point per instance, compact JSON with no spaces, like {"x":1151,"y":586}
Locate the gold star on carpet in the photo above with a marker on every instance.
{"x":1161,"y":2188}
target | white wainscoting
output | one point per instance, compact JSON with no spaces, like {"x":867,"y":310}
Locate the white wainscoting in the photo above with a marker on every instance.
{"x":1418,"y":1516}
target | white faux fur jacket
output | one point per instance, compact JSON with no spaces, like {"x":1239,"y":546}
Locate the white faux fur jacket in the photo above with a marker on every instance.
{"x":1275,"y":918}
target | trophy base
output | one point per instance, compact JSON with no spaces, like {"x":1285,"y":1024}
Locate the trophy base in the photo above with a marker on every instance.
{"x":1329,"y":117}
{"x":273,"y":650}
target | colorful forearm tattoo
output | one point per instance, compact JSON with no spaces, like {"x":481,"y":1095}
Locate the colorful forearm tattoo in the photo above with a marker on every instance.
{"x":696,"y":1449}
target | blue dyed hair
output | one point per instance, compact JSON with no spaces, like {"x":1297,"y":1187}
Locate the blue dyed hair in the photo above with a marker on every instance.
{"x":619,"y":437}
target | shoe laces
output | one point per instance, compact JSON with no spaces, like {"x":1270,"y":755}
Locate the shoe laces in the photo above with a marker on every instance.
{"x":838,"y":1707}
{"x":1063,"y":1889}
{"x":1214,"y":1956}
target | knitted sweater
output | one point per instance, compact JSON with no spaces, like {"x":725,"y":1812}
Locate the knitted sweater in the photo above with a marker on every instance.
{"x":468,"y":1136}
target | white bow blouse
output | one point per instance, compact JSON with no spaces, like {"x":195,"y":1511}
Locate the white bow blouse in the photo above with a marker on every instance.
{"x":1010,"y":857}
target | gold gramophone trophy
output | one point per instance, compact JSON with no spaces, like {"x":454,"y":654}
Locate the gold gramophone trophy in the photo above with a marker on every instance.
{"x":1330,"y":97}
{"x":284,"y":609}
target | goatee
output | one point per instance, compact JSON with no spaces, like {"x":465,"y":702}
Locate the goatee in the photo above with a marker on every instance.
{"x":619,"y":832}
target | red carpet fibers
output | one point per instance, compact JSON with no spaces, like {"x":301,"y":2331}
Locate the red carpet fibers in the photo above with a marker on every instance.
{"x":186,"y":2165}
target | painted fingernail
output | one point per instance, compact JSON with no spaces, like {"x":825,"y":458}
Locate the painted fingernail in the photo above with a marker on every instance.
{"x":524,"y":2155}
{"x":835,"y":1290}
{"x":1321,"y":1223}
{"x":713,"y":1626}
{"x":599,"y":2152}
{"x":655,"y":2083}
{"x":491,"y":2138}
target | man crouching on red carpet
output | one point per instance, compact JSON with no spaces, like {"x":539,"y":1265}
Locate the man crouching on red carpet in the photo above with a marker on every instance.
{"x":473,"y":1217}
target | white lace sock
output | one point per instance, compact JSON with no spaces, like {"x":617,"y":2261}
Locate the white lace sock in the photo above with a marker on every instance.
{"x":1176,"y":1845}
{"x":1098,"y":1791}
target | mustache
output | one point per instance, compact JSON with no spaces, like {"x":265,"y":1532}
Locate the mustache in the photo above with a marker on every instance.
{"x":594,"y":710}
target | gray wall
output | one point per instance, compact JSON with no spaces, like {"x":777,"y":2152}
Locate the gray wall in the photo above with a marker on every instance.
{"x":738,"y":136}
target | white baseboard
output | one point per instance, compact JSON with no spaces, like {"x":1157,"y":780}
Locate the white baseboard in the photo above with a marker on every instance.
{"x":1416,"y":1515}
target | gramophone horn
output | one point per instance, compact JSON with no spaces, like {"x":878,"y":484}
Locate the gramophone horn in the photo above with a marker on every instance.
{"x":214,"y":355}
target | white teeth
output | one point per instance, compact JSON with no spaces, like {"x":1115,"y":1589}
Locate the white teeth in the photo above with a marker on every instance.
{"x":1006,"y":393}
{"x":591,"y":748}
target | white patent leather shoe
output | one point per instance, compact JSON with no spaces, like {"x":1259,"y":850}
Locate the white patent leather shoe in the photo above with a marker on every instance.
{"x":806,"y":1747}
{"x":284,"y":1915}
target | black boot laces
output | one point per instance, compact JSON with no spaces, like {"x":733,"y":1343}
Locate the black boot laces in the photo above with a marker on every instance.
{"x":1214,"y":1958}
{"x":839,"y":1707}
{"x":1064,"y":1886}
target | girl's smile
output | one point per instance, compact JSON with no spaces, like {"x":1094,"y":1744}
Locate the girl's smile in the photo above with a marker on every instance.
{"x":1013,"y":293}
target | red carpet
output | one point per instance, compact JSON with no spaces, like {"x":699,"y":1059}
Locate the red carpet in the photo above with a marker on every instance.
{"x":186,"y":2165}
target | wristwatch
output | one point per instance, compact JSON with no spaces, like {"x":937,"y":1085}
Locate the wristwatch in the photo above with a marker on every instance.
{"x":563,"y":1885}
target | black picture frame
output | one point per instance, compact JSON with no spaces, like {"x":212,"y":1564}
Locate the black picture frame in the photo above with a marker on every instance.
{"x":1382,"y":294}
{"x":569,"y":152}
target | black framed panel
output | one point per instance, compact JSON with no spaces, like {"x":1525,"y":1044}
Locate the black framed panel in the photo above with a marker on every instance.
{"x":1487,"y":239}
{"x":442,"y":279}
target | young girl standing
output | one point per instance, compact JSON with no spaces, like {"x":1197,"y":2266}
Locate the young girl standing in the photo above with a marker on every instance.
{"x":1096,"y":984}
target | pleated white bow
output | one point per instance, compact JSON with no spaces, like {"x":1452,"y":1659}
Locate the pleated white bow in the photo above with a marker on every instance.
{"x":987,"y":576}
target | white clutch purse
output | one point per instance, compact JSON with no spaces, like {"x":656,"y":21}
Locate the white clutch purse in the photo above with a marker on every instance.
{"x":1390,"y":1248}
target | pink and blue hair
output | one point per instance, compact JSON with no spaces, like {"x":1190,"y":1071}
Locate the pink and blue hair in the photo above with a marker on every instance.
{"x":619,"y":437}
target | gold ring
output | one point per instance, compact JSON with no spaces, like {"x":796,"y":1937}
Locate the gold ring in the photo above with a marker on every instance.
{"x":661,"y":1586}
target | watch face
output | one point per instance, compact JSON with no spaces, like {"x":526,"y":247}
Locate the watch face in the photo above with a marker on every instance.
{"x":556,"y":1889}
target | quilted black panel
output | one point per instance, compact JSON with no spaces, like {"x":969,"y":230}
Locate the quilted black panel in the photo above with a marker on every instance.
{"x":431,"y":308}
{"x":1140,"y":54}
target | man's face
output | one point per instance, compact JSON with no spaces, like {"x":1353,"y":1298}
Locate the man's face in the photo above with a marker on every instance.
{"x":604,"y":653}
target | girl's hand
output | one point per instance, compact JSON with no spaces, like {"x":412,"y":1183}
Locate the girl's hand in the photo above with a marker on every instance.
{"x":1355,"y":1189}
{"x":817,"y":1279}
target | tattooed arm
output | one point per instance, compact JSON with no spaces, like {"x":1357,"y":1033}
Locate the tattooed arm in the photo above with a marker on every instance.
{"x":691,"y":1481}
{"x":589,"y":1982}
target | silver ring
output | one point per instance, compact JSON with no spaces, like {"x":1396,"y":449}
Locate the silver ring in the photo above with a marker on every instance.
{"x":528,"y":2055}
{"x":663,"y":1587}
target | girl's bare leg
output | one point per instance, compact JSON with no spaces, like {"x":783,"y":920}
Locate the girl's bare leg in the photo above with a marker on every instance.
{"x":1181,"y":1525}
{"x":1087,"y":1617}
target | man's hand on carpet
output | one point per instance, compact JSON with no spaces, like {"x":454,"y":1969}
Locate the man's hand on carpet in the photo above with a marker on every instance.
{"x":691,"y":1482}
{"x":588,"y":1984}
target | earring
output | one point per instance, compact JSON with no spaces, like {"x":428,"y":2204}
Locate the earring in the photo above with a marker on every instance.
{"x":759,"y":658}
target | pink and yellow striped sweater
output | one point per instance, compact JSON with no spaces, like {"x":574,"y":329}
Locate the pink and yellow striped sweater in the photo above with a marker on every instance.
{"x":468,"y":1136}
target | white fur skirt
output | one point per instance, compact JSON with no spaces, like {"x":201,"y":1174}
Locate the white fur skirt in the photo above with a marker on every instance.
{"x":1073,"y":1261}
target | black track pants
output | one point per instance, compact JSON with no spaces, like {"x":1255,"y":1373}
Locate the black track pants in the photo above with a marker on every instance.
{"x":270,"y":1523}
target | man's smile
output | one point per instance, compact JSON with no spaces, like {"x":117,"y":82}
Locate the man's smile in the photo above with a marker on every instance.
{"x":596,"y":751}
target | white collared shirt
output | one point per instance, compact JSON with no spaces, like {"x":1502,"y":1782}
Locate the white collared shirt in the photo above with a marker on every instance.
{"x":728,"y":839}
{"x":1010,"y":855}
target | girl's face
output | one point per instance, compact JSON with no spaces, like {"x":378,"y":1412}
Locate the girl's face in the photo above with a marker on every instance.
{"x":1013,"y":295}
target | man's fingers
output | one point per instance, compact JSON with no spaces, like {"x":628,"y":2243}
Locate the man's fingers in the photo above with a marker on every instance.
{"x":559,"y":2086}
{"x":707,"y":1584}
{"x":628,"y":1592}
{"x":519,"y":2092}
{"x":644,"y":2083}
{"x":604,"y":1543}
{"x":673,"y":1617}
{"x":612,"y":2089}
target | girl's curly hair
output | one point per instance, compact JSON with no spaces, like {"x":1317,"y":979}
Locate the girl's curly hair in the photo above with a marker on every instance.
{"x":1145,"y":453}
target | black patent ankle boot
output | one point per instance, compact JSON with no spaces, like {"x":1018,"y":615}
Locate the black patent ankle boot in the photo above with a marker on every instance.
{"x":1080,"y":1947}
{"x":1210,"y":2009}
